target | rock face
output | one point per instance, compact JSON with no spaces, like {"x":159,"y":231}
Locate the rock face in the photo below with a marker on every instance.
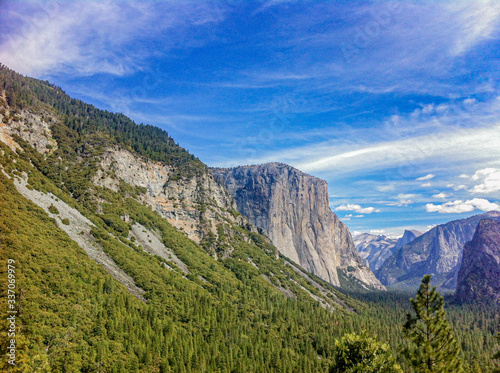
{"x":197,"y":205}
{"x":479,"y":276}
{"x":408,"y":236}
{"x":373,"y":249}
{"x":292,"y":209}
{"x":437,"y":252}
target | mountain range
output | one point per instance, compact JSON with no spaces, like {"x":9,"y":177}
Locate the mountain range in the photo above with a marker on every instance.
{"x":437,"y":252}
{"x":130,"y":252}
{"x":375,"y":249}
{"x":131,"y":255}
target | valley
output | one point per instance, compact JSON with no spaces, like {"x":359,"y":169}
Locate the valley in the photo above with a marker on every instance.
{"x":134,"y":256}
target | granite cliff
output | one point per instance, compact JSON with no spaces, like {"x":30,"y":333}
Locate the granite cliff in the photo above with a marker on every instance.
{"x":374,"y":249}
{"x":292,"y":209}
{"x":479,"y":275}
{"x":408,"y":236}
{"x":437,"y":252}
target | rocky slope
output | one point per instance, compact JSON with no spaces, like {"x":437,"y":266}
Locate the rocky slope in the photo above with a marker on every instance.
{"x":374,"y":249}
{"x":104,"y":174}
{"x":292,"y":209}
{"x":479,"y":275}
{"x":437,"y":252}
{"x":196,"y":205}
{"x":408,"y":236}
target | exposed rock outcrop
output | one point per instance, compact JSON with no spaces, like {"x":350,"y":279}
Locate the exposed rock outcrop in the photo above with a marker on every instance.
{"x":408,"y":236}
{"x":437,"y":252}
{"x":479,"y":275}
{"x":195,"y":205}
{"x":78,"y":228}
{"x":373,"y":249}
{"x":292,"y":209}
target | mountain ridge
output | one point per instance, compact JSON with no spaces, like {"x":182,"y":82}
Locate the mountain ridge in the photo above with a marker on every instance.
{"x":479,"y":275}
{"x":437,"y":251}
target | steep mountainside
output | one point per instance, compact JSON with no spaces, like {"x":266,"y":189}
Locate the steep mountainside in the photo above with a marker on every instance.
{"x":131,"y":258}
{"x":105,"y":283}
{"x":373,"y":249}
{"x":408,"y":236}
{"x":479,"y":275}
{"x":292,"y":209}
{"x":437,"y":252}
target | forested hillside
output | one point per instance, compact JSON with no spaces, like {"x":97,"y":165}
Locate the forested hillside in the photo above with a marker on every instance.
{"x":106,"y":284}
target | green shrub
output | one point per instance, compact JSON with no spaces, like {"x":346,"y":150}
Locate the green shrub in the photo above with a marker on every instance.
{"x":53,"y":209}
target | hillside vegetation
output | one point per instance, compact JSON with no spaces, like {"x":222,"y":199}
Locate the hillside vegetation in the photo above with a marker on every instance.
{"x":246,"y":311}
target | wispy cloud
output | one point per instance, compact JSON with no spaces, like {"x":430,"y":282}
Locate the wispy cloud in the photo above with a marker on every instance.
{"x":459,"y":206}
{"x":440,"y":195}
{"x":403,"y":199}
{"x":456,"y":187}
{"x":426,"y":177}
{"x":97,"y":37}
{"x":384,"y":48}
{"x":453,"y":134}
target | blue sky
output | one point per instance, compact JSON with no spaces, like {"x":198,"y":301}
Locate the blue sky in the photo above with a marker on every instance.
{"x":395,"y":104}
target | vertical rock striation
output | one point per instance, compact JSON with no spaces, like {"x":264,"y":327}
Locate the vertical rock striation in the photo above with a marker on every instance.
{"x":437,"y":252}
{"x":374,"y":249}
{"x":408,"y":236}
{"x":292,"y":209}
{"x":479,"y":276}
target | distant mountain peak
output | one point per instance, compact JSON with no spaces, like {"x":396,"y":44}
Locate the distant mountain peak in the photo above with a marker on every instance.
{"x":437,"y":251}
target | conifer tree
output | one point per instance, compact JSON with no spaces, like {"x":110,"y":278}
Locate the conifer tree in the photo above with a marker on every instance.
{"x":497,"y":357}
{"x":433,"y":347}
{"x":362,"y":354}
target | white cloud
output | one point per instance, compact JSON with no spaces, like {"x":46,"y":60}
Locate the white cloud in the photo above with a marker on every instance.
{"x":456,"y":187}
{"x":91,"y":37}
{"x":386,"y":188}
{"x":426,"y":177}
{"x":490,"y":180}
{"x":441,"y":195}
{"x":426,"y":185}
{"x":403,"y":199}
{"x":477,"y":19}
{"x":406,"y":196}
{"x":457,"y":137}
{"x":377,"y":231}
{"x":356,"y":208}
{"x":353,"y":216}
{"x":462,"y":206}
{"x":457,"y":145}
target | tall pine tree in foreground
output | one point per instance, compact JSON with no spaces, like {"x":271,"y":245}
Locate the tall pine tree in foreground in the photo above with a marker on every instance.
{"x":433,"y":347}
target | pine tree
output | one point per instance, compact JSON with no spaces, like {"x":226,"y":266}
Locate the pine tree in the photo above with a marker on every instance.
{"x":433,"y":347}
{"x":497,"y":357}
{"x":362,"y":354}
